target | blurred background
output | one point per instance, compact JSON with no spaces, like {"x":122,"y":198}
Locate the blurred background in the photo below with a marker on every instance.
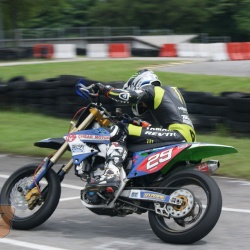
{"x":158,"y":34}
{"x":25,"y":23}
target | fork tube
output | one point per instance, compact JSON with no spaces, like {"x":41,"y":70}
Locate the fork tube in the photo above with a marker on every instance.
{"x":49,"y":164}
{"x":64,"y":147}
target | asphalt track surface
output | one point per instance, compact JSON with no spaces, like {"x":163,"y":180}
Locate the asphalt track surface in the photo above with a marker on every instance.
{"x":73,"y":226}
{"x":180,"y":65}
{"x":222,"y":68}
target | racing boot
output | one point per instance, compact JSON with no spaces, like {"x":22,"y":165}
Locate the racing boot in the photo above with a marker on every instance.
{"x":116,"y":154}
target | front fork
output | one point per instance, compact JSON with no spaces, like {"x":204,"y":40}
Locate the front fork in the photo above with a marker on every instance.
{"x":49,"y":162}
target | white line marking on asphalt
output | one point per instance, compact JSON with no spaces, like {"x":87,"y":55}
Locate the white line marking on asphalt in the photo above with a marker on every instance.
{"x":77,"y":221}
{"x":234,"y":180}
{"x":28,"y":245}
{"x":71,"y":186}
{"x":70,"y":198}
{"x":243,"y":183}
{"x":114,"y":245}
{"x":4,"y":176}
{"x":236,"y":210}
{"x":3,"y":155}
{"x":226,"y":209}
{"x":62,"y":184}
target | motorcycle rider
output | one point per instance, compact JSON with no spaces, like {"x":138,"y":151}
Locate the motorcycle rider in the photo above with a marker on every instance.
{"x":143,"y":92}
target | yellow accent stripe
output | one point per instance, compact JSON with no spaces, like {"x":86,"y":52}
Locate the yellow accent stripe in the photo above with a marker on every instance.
{"x":178,"y":93}
{"x":134,"y":130}
{"x":159,"y":92}
{"x":186,"y":130}
{"x":113,"y":93}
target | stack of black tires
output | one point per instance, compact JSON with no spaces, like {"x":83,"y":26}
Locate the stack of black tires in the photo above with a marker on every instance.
{"x":238,"y":116}
{"x":56,"y":97}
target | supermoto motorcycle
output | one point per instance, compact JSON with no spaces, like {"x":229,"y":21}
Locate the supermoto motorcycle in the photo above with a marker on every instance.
{"x":169,"y":181}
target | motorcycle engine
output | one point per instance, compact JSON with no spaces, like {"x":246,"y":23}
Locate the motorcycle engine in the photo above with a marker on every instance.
{"x":86,"y":170}
{"x":92,"y":198}
{"x":96,"y":197}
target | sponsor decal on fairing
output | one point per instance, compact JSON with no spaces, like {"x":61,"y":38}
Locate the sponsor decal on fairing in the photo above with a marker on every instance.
{"x":151,"y":161}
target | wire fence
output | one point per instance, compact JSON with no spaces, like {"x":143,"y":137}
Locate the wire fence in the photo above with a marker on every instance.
{"x":81,"y":32}
{"x":17,"y":37}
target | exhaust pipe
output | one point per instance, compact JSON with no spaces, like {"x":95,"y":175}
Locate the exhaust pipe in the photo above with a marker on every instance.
{"x":208,"y":167}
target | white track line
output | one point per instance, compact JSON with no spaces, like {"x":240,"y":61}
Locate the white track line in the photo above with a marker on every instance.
{"x":225,"y":209}
{"x":24,"y":244}
{"x":70,"y":198}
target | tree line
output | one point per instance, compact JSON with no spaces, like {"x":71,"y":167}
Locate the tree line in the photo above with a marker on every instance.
{"x":214,"y":17}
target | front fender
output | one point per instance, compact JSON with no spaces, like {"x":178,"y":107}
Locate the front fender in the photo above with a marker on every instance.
{"x":53,"y":143}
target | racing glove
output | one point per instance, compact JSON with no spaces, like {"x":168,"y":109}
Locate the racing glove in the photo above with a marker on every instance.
{"x":102,"y":89}
{"x":138,"y":122}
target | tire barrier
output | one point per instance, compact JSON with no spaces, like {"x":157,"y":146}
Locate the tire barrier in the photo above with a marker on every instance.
{"x":15,"y":53}
{"x":43,"y":51}
{"x":210,"y":51}
{"x":238,"y":112}
{"x":144,"y":52}
{"x":56,"y":51}
{"x":168,"y":50}
{"x":56,"y":97}
{"x":119,"y":50}
{"x":218,"y":52}
{"x":206,"y":110}
{"x":97,"y":50}
{"x":239,"y":51}
{"x":63,"y":51}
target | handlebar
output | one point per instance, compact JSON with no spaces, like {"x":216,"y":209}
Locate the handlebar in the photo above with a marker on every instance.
{"x":125,"y":118}
{"x":88,"y":92}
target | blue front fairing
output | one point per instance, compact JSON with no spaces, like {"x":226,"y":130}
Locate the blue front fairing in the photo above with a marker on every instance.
{"x":77,"y":142}
{"x":99,"y":135}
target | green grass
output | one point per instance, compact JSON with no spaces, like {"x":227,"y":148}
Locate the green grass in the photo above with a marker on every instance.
{"x":121,"y":70}
{"x":20,"y":130}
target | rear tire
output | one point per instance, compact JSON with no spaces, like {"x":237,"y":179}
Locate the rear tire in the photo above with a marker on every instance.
{"x":192,"y":227}
{"x":24,"y":218}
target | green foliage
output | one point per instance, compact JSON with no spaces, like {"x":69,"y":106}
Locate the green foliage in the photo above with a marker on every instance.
{"x":242,"y":18}
{"x":17,"y":11}
{"x":216,"y":17}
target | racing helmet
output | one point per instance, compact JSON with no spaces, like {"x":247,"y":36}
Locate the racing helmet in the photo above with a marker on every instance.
{"x":142,"y":78}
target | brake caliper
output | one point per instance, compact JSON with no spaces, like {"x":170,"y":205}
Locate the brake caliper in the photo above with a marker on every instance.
{"x":32,"y":196}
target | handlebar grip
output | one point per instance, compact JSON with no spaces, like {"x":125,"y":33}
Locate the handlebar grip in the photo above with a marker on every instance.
{"x":145,"y":124}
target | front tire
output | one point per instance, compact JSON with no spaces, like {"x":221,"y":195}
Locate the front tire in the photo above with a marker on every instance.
{"x":25,"y":218}
{"x":204,"y":215}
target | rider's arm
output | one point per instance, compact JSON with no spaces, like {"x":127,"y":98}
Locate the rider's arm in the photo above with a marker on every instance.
{"x":124,"y":96}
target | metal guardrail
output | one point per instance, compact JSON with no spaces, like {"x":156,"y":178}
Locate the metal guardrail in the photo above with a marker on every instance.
{"x":13,"y":38}
{"x":42,"y":33}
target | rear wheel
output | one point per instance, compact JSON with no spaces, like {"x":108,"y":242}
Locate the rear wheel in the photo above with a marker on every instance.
{"x":25,"y":215}
{"x":196,"y":217}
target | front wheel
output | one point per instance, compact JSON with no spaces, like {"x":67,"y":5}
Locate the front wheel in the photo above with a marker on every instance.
{"x":197,"y":216}
{"x":25,"y":216}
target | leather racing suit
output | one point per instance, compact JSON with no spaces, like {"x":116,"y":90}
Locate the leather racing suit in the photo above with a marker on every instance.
{"x":166,"y":105}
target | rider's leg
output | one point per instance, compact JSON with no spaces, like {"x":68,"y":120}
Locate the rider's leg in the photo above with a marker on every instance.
{"x":140,"y":135}
{"x":116,"y":154}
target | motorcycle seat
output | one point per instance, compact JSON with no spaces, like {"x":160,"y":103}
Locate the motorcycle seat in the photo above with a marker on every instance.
{"x":140,"y":147}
